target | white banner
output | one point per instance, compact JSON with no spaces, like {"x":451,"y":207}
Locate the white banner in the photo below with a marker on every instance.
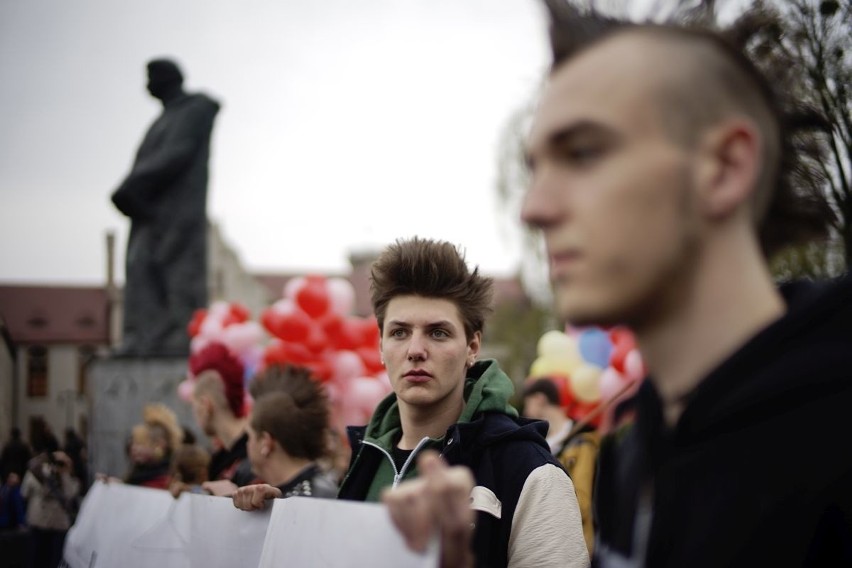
{"x":324,"y":532}
{"x":136,"y":527}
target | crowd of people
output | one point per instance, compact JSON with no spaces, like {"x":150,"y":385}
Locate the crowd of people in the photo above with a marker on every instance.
{"x":658,"y":173}
{"x":43,"y":484}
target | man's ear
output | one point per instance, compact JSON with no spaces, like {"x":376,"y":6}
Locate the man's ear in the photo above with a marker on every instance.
{"x":728,"y":167}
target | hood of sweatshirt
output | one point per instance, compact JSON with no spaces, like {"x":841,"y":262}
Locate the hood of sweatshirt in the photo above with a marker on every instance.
{"x":487,"y":389}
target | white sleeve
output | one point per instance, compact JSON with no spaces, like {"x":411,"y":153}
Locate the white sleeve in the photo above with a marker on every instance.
{"x":546,"y":528}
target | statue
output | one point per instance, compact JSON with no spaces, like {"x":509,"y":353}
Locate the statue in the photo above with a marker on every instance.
{"x":165,"y":197}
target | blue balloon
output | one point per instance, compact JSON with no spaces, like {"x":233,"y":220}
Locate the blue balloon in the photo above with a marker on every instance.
{"x":595,"y":347}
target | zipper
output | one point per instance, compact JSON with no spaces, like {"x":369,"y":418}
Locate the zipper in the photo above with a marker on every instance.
{"x":397,"y":474}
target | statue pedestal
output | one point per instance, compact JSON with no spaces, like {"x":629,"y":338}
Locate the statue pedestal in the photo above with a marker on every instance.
{"x":119,"y":387}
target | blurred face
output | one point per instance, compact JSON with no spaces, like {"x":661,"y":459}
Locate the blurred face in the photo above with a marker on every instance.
{"x":610,"y":191}
{"x":425,"y":351}
{"x":535,"y":406}
{"x":142,"y":449}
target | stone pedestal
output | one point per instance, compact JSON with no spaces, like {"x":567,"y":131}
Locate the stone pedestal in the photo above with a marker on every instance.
{"x":119,"y":388}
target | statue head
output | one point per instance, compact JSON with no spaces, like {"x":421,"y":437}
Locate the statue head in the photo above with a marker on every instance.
{"x":165,"y":79}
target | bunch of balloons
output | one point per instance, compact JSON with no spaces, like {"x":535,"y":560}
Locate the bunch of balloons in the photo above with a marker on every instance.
{"x":230,"y":324}
{"x":589,"y":366}
{"x":312,"y":325}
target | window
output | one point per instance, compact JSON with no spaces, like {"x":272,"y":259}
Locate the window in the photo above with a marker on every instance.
{"x":36,"y":371}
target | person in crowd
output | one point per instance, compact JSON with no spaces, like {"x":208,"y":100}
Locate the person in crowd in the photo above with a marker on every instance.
{"x":42,"y":437}
{"x":15,"y":455}
{"x":287,"y":438}
{"x":431,"y":310}
{"x":152,"y":447}
{"x":574,"y":445}
{"x":49,"y":489}
{"x":190,"y":468}
{"x":75,"y":448}
{"x":12,"y":506}
{"x":218,"y":404}
{"x":541,"y":402}
{"x":660,"y":162}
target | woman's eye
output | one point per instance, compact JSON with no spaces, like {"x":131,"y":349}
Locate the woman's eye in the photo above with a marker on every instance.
{"x":440,"y":333}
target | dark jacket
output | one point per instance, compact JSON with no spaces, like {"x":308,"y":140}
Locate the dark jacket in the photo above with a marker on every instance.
{"x":310,"y":482}
{"x":756,"y":472}
{"x":500,"y":449}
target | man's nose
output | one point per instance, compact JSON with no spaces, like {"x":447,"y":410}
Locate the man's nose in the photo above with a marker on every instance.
{"x":417,"y":347}
{"x":543,"y":204}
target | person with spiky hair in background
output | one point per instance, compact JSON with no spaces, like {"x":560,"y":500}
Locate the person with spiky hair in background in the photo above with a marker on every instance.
{"x":219,"y":407}
{"x":287,"y":431}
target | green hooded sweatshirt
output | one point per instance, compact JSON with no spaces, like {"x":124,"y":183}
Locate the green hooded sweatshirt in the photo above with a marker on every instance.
{"x":487,"y":389}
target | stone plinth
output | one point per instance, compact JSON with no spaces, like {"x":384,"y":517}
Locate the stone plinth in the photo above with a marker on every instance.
{"x":119,"y":388}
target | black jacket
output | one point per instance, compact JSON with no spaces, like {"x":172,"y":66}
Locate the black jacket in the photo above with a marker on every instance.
{"x":757,"y":471}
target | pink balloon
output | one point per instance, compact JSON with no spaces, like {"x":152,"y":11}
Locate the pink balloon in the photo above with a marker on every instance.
{"x":346,"y":365}
{"x":198,"y":343}
{"x":611,"y":383}
{"x":218,"y":310}
{"x":185,"y":390}
{"x":293,"y":286}
{"x":240,"y":337}
{"x":364,"y":393}
{"x":211,"y":328}
{"x":634,"y":368}
{"x":342,"y":296}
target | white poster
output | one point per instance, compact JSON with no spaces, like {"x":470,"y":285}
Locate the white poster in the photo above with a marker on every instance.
{"x":314,"y":532}
{"x":223,"y":535}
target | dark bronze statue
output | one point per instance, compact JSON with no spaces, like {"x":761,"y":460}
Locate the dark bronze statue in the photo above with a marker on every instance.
{"x":165,"y":197}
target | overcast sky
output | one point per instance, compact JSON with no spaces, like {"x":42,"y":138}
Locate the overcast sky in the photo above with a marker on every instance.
{"x":344,"y":123}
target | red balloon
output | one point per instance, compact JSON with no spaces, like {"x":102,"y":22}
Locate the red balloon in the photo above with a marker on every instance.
{"x":371,"y":332}
{"x":313,"y":297}
{"x":194,"y":326}
{"x":623,"y":342}
{"x":372,"y":359}
{"x":350,"y":336}
{"x":317,"y":340}
{"x":240,"y":312}
{"x":332,"y":325}
{"x":282,"y":352}
{"x":292,"y":326}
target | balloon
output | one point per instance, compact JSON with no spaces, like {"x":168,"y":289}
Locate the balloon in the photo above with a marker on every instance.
{"x":194,"y":326}
{"x":623,"y":342}
{"x":365,"y":393}
{"x":346,"y":365}
{"x":292,"y":286}
{"x":595,"y":347}
{"x":546,"y":366}
{"x":241,"y":336}
{"x":585,"y":383}
{"x":317,"y":340}
{"x":198,"y":343}
{"x":634,"y":368}
{"x":611,"y":383}
{"x":372,"y":359}
{"x":313,"y":297}
{"x":341,"y":294}
{"x":185,"y":390}
{"x":557,"y":344}
{"x":211,"y":327}
{"x":218,"y":310}
{"x":282,"y":352}
{"x":288,"y":322}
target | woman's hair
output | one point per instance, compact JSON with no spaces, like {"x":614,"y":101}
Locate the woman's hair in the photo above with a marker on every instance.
{"x":162,"y":425}
{"x":431,"y":269}
{"x":291,"y":407}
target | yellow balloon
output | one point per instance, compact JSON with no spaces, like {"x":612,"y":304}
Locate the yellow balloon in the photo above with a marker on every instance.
{"x":557,"y":343}
{"x":585,"y":382}
{"x":545,"y":366}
